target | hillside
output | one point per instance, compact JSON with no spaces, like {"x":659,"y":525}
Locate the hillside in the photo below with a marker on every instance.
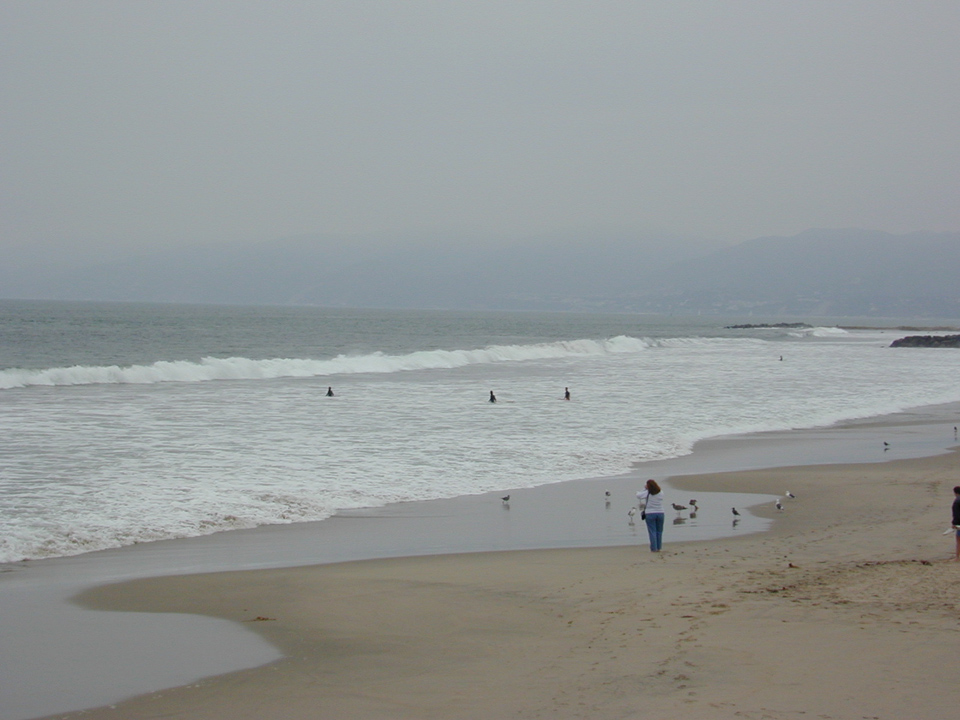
{"x":815,"y":273}
{"x":822,"y":272}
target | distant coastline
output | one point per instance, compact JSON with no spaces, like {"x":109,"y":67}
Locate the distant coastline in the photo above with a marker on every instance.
{"x":909,"y":341}
{"x":805,"y":276}
{"x":760,"y":326}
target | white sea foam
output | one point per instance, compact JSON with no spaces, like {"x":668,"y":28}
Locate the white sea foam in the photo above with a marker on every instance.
{"x":238,"y":368}
{"x":820,"y":332}
{"x":132,"y":455}
{"x":828,"y":331}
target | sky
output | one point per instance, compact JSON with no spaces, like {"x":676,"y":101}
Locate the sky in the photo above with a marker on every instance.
{"x":135,"y":125}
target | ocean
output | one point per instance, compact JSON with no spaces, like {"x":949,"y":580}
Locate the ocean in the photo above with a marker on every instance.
{"x":128,"y":423}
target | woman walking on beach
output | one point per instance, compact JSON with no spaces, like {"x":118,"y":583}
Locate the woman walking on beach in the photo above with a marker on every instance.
{"x":652,"y":499}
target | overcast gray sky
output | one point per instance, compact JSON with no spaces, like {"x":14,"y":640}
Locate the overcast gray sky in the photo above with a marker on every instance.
{"x":133,"y":124}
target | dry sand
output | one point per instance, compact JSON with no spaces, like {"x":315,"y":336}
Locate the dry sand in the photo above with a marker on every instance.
{"x":848,"y":608}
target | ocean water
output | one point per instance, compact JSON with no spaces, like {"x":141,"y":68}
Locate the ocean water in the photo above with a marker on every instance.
{"x":124,"y":423}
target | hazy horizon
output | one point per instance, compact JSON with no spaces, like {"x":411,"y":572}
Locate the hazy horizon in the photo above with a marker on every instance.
{"x":130,"y":127}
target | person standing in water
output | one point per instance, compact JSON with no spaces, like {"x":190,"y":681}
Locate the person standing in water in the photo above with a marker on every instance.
{"x":493,"y":398}
{"x":652,"y":500}
{"x":329,"y":391}
{"x":566,"y":393}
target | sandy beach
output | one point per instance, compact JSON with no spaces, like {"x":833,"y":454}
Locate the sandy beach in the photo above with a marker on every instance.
{"x":848,"y":607}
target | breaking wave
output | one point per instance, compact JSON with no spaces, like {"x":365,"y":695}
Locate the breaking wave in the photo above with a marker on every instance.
{"x":238,"y":368}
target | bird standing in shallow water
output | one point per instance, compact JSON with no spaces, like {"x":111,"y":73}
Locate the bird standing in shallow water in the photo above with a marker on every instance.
{"x":789,"y":494}
{"x":735,"y":512}
{"x":779,"y":506}
{"x":678,"y":508}
{"x":505,"y":498}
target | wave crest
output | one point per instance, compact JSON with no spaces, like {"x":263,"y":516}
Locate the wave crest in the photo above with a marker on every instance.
{"x":238,"y":368}
{"x":819,"y":332}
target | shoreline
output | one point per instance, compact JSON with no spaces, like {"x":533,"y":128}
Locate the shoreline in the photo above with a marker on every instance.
{"x":445,"y":526}
{"x":842,"y":596}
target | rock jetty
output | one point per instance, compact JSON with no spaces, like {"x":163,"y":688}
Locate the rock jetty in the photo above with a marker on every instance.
{"x":935,"y":341}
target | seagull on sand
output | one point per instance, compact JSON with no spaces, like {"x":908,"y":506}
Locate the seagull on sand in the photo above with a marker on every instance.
{"x":678,"y":508}
{"x":630,"y":513}
{"x":735,"y":512}
{"x":606,"y":493}
{"x":506,"y":499}
{"x":694,"y":503}
{"x":790,"y":495}
{"x":779,"y":505}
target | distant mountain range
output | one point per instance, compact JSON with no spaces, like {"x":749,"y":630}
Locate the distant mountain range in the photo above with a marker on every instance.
{"x":822,"y":272}
{"x":816,"y":273}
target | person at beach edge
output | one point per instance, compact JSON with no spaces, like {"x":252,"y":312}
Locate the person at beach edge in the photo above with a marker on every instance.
{"x":493,"y":398}
{"x":652,"y":499}
{"x":956,"y":519}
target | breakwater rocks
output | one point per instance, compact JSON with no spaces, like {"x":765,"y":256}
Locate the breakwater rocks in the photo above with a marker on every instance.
{"x":936,"y":341}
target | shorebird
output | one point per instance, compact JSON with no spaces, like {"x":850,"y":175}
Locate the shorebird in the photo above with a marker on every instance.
{"x":735,"y":512}
{"x":694,"y":503}
{"x":678,"y":508}
{"x":630,"y":513}
{"x":790,"y":494}
{"x":505,"y":498}
{"x":606,"y":493}
{"x":886,"y":446}
{"x":779,"y":505}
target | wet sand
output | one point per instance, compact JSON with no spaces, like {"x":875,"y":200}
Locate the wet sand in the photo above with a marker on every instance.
{"x":847,"y":607}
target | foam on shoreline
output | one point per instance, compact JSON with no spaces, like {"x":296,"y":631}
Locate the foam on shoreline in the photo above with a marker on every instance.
{"x":740,"y":628}
{"x":546,"y":517}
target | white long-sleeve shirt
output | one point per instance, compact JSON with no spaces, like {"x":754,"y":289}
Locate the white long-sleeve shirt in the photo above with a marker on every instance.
{"x":654,"y":503}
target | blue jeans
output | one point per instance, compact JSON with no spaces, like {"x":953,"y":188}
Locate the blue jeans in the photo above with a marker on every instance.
{"x":655,"y":530}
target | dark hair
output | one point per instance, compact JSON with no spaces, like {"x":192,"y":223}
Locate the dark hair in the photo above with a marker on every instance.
{"x":652,"y":487}
{"x":957,"y":489}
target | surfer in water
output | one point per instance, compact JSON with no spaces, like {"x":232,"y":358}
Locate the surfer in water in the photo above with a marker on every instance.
{"x":329,"y":391}
{"x":493,"y":398}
